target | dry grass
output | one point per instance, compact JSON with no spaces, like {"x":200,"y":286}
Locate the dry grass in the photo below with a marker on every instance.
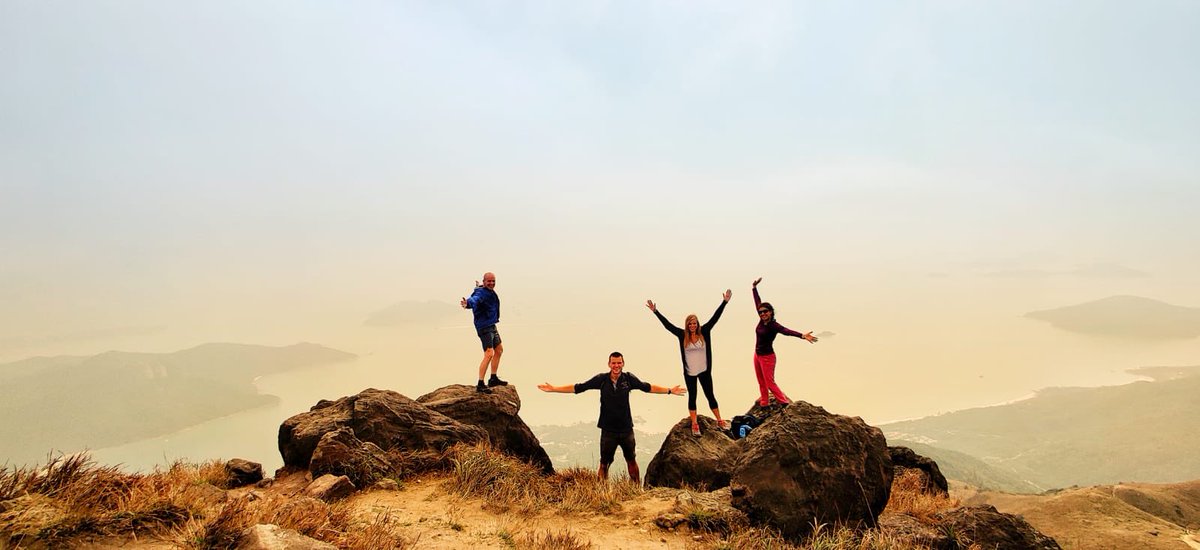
{"x":508,"y":484}
{"x":909,"y":498}
{"x":184,"y":504}
{"x":549,"y":540}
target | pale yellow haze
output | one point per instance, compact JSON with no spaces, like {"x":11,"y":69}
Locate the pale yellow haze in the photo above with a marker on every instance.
{"x":907,"y":182}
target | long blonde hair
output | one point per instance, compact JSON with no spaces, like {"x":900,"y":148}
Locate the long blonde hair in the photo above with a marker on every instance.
{"x":688,"y":337}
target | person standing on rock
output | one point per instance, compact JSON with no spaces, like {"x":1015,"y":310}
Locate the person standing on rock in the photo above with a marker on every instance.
{"x":485,"y":304}
{"x":695,"y":349}
{"x":764,"y":351}
{"x":616,"y":420}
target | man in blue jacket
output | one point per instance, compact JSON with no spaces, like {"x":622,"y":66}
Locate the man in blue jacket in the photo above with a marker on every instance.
{"x":485,"y":304}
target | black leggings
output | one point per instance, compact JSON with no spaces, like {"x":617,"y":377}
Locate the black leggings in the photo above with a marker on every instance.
{"x":705,"y":381}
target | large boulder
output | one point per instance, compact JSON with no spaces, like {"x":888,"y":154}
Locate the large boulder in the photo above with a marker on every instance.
{"x":496,"y":413}
{"x":932,"y":480}
{"x":985,"y":527}
{"x":383,"y":417}
{"x":685,"y":460}
{"x":341,"y":454}
{"x":804,"y":466}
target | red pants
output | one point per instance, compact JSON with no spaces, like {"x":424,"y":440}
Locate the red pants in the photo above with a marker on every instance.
{"x":764,"y":369}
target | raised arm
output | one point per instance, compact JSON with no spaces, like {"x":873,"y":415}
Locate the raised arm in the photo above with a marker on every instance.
{"x":716,"y":316}
{"x":754,"y":290}
{"x":665,"y":323}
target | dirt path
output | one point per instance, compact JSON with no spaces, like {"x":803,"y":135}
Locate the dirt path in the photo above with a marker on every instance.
{"x":435,"y":519}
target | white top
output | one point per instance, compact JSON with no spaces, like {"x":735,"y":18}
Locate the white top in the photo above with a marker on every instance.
{"x":694,"y":354}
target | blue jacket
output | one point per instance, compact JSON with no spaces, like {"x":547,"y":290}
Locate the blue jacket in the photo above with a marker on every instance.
{"x":485,"y":304}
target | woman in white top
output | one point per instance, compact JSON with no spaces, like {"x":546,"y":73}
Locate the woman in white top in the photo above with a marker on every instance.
{"x":695,"y":350}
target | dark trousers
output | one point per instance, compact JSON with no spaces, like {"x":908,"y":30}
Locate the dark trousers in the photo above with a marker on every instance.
{"x":705,"y":379}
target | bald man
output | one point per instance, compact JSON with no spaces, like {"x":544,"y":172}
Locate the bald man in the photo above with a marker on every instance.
{"x":485,"y":304}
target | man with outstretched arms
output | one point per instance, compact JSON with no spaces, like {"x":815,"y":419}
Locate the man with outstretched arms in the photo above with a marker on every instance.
{"x":616,"y":420}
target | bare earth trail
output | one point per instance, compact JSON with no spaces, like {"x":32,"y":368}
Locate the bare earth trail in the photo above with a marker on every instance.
{"x":434,"y":518}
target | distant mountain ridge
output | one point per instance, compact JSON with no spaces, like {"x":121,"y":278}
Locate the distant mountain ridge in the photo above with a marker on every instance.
{"x":1126,"y":317}
{"x":69,"y":403}
{"x":1143,"y":431}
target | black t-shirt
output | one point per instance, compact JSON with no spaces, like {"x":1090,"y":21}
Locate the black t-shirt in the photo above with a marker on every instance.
{"x":614,"y":399}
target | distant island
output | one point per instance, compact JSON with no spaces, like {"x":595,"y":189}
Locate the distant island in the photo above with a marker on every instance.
{"x":70,"y":403}
{"x":1125,"y":317}
{"x":412,"y":312}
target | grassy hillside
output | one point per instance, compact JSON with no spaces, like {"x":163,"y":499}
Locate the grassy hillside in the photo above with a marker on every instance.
{"x":972,"y":471}
{"x":72,"y":403}
{"x":1144,"y":431}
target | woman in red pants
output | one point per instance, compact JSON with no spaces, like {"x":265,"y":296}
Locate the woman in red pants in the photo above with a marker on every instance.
{"x":764,"y":351}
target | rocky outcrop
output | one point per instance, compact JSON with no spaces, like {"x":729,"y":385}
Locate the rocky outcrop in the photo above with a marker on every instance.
{"x":496,"y":413}
{"x":377,"y":434}
{"x":685,"y":460}
{"x":804,"y":466}
{"x":933,"y":481}
{"x":986,"y":527}
{"x":240,"y":472}
{"x":341,"y":454}
{"x":383,"y":417}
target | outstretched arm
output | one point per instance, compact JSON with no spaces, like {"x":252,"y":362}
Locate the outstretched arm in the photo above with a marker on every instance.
{"x":547,"y":387}
{"x":754,"y":290}
{"x":677,"y":390}
{"x":789,"y":332}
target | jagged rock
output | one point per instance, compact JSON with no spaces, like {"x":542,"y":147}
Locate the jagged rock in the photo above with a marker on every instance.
{"x":763,"y":413}
{"x":383,"y":417}
{"x":240,"y":472}
{"x":804,"y":466}
{"x":274,"y":537}
{"x":329,"y":488}
{"x":497,"y":414}
{"x":341,"y":454}
{"x":685,"y":460}
{"x":933,"y":481}
{"x":985,"y":527}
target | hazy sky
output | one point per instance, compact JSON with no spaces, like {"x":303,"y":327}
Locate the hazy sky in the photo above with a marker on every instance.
{"x":902,"y":174}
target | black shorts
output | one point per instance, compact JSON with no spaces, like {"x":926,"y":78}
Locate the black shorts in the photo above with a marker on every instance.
{"x":609,"y":441}
{"x":489,"y":337}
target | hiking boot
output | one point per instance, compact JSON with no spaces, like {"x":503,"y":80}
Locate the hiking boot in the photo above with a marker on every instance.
{"x":496,"y":381}
{"x":480,"y":388}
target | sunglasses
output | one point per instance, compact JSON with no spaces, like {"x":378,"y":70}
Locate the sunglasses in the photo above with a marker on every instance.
{"x":762,"y":311}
